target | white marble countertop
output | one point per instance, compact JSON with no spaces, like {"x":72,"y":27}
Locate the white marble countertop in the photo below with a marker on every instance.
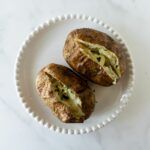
{"x":129,"y":131}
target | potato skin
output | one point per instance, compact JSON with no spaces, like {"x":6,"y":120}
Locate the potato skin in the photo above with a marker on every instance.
{"x":85,"y":66}
{"x":71,"y":80}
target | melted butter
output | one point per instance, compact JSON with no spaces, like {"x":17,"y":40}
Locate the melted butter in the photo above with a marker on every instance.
{"x":102,"y":56}
{"x":68,"y":97}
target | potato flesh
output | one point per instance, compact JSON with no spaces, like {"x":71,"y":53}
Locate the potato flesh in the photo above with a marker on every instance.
{"x":68,"y":97}
{"x":102,"y":56}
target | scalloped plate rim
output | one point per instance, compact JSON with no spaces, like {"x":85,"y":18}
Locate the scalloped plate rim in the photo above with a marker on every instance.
{"x":67,"y":130}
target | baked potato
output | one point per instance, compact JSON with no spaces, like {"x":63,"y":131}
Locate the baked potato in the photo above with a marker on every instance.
{"x":65,"y":93}
{"x":95,"y":55}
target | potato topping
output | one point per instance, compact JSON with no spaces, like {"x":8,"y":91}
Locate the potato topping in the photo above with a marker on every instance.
{"x":102,"y":56}
{"x":66,"y":96}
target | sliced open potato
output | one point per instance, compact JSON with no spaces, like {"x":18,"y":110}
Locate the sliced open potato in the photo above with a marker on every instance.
{"x":95,"y":55}
{"x":69,"y":97}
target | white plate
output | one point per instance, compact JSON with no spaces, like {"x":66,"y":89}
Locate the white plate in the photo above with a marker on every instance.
{"x":44,"y":46}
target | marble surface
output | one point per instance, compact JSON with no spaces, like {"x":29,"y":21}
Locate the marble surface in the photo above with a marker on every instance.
{"x":129,"y":131}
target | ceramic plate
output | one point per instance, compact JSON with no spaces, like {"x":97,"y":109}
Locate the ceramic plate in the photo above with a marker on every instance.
{"x":43,"y":46}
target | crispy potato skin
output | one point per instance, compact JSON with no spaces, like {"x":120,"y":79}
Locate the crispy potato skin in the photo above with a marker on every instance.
{"x":71,"y":80}
{"x":85,"y":66}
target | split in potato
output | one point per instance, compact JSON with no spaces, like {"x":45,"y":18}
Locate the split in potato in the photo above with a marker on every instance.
{"x":102,"y":56}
